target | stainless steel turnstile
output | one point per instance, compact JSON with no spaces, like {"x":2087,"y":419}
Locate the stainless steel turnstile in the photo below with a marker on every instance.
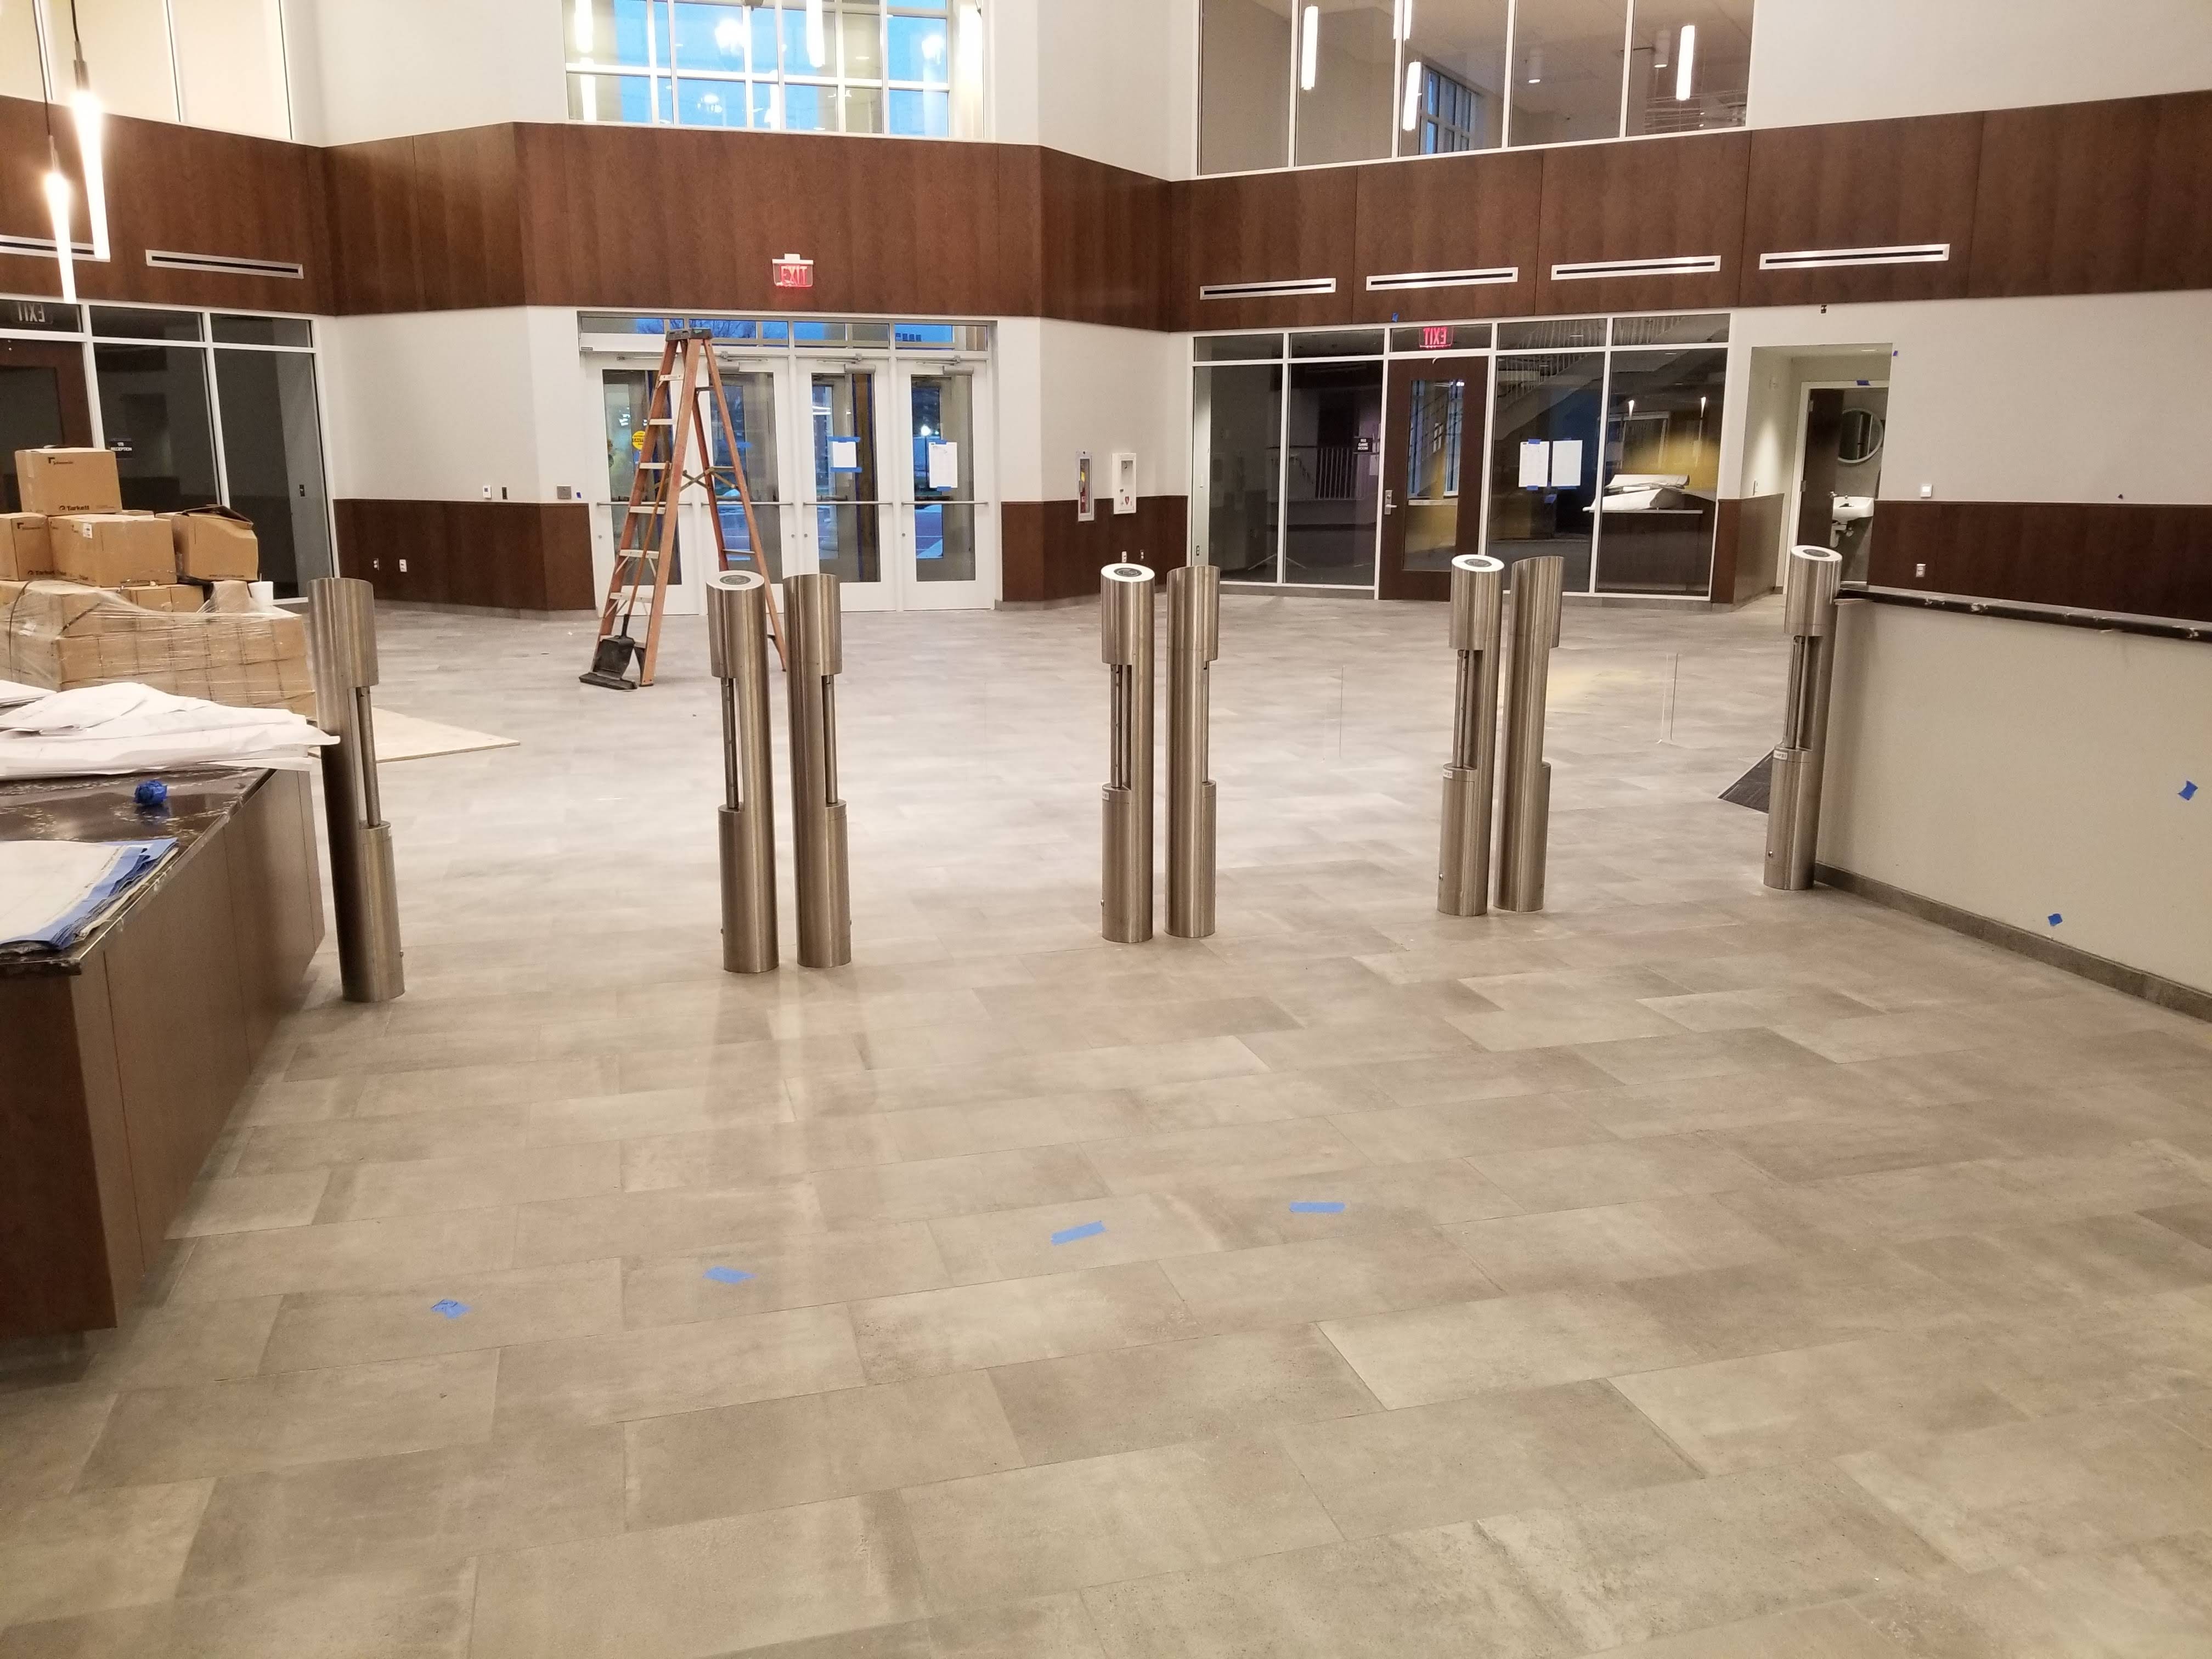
{"x":737,"y":645}
{"x":1809,"y":581}
{"x":815,"y":636}
{"x":1193,"y":642}
{"x":1125,"y":645}
{"x":1526,"y":808}
{"x":1478,"y":606}
{"x":364,"y":888}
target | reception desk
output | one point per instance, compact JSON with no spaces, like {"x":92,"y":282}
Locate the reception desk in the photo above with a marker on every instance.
{"x":122,"y":1058}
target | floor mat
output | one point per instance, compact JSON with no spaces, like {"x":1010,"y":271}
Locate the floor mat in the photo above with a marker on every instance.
{"x":404,"y":737}
{"x":1751,"y":789}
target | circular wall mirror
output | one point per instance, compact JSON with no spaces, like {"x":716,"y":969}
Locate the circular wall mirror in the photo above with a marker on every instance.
{"x":1858,"y":437}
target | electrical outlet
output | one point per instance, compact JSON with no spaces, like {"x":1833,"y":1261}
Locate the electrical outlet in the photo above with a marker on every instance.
{"x":1919,"y":572}
{"x":402,"y":566}
{"x":1926,"y":491}
{"x":502,"y":492}
{"x":486,"y":489}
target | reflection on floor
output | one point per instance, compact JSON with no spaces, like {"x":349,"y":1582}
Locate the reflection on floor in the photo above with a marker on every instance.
{"x":1685,"y":1270}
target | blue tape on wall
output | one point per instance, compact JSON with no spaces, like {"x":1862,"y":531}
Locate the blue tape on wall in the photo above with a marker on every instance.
{"x":722,"y":1275}
{"x":1084,"y":1229}
{"x":2055,"y":918}
{"x":1317,"y":1206}
{"x":449,"y":1309}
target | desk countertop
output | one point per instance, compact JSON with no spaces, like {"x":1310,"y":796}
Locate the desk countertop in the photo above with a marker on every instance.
{"x":102,"y":809}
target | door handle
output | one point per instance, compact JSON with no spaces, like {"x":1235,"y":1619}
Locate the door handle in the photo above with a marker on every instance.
{"x":1389,"y":502}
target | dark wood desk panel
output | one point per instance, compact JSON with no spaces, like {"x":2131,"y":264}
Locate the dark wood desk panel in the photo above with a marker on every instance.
{"x":121,"y":1060}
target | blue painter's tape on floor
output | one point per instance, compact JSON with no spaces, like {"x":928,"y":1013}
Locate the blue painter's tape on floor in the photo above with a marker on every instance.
{"x":2188,"y":790}
{"x":449,"y":1309}
{"x":726,"y":1275}
{"x":1087,"y":1229}
{"x":1317,"y":1206}
{"x":2055,"y":918}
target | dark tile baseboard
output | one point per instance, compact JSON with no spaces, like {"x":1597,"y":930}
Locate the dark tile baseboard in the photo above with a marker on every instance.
{"x":2116,"y":976}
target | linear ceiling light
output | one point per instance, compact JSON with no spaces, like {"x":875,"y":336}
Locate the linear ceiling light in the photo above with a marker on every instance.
{"x":1685,"y":62}
{"x":583,"y":29}
{"x":1536,"y":66}
{"x":89,"y":115}
{"x":1309,"y":49}
{"x":1405,"y":19}
{"x":1412,"y":115}
{"x":57,"y":206}
{"x":817,"y":39}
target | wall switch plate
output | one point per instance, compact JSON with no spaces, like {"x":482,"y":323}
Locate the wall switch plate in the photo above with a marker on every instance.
{"x":1927,"y":491}
{"x":1919,"y":572}
{"x":486,"y":489}
{"x":402,"y":566}
{"x":563,"y":492}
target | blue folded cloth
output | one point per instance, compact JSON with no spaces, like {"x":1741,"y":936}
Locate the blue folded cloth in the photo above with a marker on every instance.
{"x":132,"y":862}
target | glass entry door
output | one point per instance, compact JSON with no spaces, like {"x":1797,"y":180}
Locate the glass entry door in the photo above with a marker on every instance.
{"x":943,"y":530}
{"x":1433,"y":441}
{"x":845,"y":484}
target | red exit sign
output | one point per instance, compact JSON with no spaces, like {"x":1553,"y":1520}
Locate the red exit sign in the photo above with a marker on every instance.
{"x":1437,"y":337}
{"x":792,"y":271}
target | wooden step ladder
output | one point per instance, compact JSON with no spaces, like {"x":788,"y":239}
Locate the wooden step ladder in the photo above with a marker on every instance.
{"x":645,"y":539}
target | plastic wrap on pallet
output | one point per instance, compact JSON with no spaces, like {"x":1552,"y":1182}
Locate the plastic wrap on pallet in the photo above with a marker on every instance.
{"x":223,"y":644}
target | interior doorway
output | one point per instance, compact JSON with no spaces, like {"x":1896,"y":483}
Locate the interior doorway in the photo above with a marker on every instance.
{"x":1435,"y":437}
{"x":42,"y":403}
{"x":1840,"y":429}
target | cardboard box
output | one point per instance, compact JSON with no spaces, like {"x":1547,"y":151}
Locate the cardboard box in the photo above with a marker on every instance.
{"x":215,"y":545}
{"x":109,"y":549}
{"x":290,"y":629}
{"x":171,"y":597}
{"x":56,"y":481}
{"x":23,"y":550}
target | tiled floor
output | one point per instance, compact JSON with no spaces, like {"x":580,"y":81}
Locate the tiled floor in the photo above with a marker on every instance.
{"x":1699,"y":1271}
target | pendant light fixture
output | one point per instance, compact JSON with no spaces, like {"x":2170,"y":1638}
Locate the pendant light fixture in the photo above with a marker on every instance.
{"x":1686,"y":57}
{"x":89,"y":116}
{"x":1412,"y":117}
{"x":1309,"y":49}
{"x":57,"y":208}
{"x":817,"y":38}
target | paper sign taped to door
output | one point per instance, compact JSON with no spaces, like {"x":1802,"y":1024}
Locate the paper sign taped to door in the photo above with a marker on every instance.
{"x":945,"y":466}
{"x":844,"y":454}
{"x":1566,"y":463}
{"x":1535,"y":464}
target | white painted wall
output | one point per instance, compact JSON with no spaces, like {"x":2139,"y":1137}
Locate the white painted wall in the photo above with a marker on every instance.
{"x":378,"y":69}
{"x":2020,"y":769}
{"x":1824,"y":60}
{"x":434,"y":406}
{"x":1065,"y":387}
{"x":1112,"y":80}
{"x":2088,"y":397}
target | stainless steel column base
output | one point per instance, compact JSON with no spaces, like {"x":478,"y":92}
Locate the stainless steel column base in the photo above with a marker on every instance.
{"x":367,"y":903}
{"x":1809,"y":581}
{"x":749,"y":945}
{"x":1463,"y":878}
{"x":364,"y":888}
{"x":1194,"y":641}
{"x":825,"y":908}
{"x":816,"y":635}
{"x":1521,"y":872}
{"x":1527,"y":809}
{"x":1125,"y":645}
{"x":1191,"y":866}
{"x":1125,"y":875}
{"x":737,"y":650}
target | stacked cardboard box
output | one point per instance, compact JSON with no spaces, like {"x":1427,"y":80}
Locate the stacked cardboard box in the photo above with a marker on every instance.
{"x":62,"y":636}
{"x":74,"y":526}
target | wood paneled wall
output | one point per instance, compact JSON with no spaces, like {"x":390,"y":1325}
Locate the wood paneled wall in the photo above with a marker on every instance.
{"x":2136,"y":559}
{"x":1746,"y":539}
{"x":501,"y":555}
{"x":1046,"y":553}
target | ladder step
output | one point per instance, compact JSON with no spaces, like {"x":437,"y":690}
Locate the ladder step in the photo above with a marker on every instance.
{"x":661,"y":420}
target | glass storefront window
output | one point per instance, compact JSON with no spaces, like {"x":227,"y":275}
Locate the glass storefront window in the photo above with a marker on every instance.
{"x":1244,"y":80}
{"x":1236,"y":420}
{"x":154,"y":409}
{"x":1663,"y":437}
{"x":942,"y":412}
{"x":751,"y":395}
{"x":1332,"y":485}
{"x":1451,"y":92}
{"x":1567,"y":59}
{"x":1689,"y":65}
{"x":272,"y":459}
{"x":1347,"y":68}
{"x":1544,"y":460}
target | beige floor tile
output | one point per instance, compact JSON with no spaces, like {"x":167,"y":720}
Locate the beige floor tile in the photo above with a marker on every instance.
{"x":1049,"y":1628}
{"x":274,"y":1147}
{"x":675,"y":1368}
{"x":1794,"y":1302}
{"x":1891,"y":1205}
{"x":508,"y":1083}
{"x":1018,"y":1243}
{"x":1261,"y":1097}
{"x":1554,"y":1250}
{"x":417,"y":1511}
{"x":1391,"y":1198}
{"x":2138,"y":1175}
{"x":1430,"y":1354}
{"x":1478,"y":1075}
{"x":1697,"y":1054}
{"x":731,"y":1103}
{"x":362,"y":1192}
{"x":1324,"y":1279}
{"x":1807,"y":1403}
{"x":1771,"y":1007}
{"x":1423,"y":1593}
{"x":1617,"y":1172}
{"x":1008,"y":1321}
{"x":1863,"y":1144}
{"x":523,"y":1305}
{"x":1127,"y":1399}
{"x":776,"y":1453}
{"x":781,"y":1576}
{"x":744,"y":1064}
{"x":1569,"y":990}
{"x":97,"y":1549}
{"x":2133,"y":1349}
{"x":1426,"y":1466}
{"x":1678,"y":1557}
{"x":753,"y":1154}
{"x":1331,"y":1045}
{"x":2057,"y":1486}
{"x":418,"y":1617}
{"x":161,"y":1347}
{"x":1067,"y":1525}
{"x":954,"y":1186}
{"x":1555,"y":1028}
{"x":239,"y":1204}
{"x":1832,"y":1631}
{"x":45,"y":1435}
{"x":662,"y":1223}
{"x":300,"y":1417}
{"x":1256,"y":1152}
{"x":2145,"y":1602}
{"x":347,"y":1255}
{"x":801,"y":1271}
{"x":2109,"y":1256}
{"x":1422,"y":1134}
